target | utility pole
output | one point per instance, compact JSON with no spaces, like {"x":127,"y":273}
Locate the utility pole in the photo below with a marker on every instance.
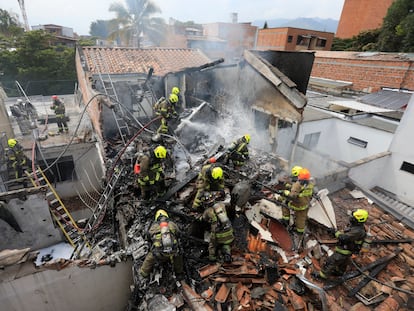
{"x":22,"y":8}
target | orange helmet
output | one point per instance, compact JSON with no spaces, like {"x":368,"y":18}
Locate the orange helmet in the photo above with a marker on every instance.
{"x":304,"y":174}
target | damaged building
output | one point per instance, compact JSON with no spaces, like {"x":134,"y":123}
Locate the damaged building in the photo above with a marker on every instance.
{"x":76,"y":235}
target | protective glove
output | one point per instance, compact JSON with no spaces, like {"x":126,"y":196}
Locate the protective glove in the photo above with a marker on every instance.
{"x":221,"y":194}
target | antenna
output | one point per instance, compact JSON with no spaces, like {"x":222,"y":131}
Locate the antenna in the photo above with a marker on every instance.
{"x":22,"y":8}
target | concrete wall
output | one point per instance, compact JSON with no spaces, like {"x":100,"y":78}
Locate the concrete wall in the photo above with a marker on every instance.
{"x":5,"y":125}
{"x":386,"y":172}
{"x":368,"y":74}
{"x":360,"y":15}
{"x":396,"y":180}
{"x":104,"y":288}
{"x":88,"y":167}
{"x":334,"y":134}
{"x":326,"y":172}
{"x":35,"y":220}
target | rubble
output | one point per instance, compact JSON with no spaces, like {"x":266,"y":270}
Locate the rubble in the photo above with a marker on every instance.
{"x":271,"y":265}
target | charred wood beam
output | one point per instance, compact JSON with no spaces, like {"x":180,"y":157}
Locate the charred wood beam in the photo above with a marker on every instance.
{"x":361,"y":270}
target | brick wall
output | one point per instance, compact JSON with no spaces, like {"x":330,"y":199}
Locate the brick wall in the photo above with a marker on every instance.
{"x":367,"y":74}
{"x":359,"y":15}
{"x":87,"y":93}
{"x":277,"y":39}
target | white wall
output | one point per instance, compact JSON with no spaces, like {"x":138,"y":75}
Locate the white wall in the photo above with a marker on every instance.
{"x":393,"y":178}
{"x":386,"y":172}
{"x":335,"y":133}
{"x":104,"y":288}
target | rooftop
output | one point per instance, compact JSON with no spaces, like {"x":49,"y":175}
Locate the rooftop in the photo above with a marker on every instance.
{"x":133,"y":60}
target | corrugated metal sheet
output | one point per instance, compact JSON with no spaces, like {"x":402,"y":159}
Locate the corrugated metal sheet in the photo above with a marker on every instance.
{"x":359,"y":106}
{"x":394,"y":100}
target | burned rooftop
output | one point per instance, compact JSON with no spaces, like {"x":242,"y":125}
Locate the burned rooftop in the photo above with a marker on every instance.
{"x":271,"y":264}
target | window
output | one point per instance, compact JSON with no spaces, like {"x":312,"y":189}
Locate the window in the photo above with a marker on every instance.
{"x":303,"y":40}
{"x":290,"y":39}
{"x":311,"y":140}
{"x":321,"y":42}
{"x":63,"y":170}
{"x":407,"y":167}
{"x":357,"y":142}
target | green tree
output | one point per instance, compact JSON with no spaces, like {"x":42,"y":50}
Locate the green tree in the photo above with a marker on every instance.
{"x":265,"y":25}
{"x":36,"y":60}
{"x":135,"y":21}
{"x":9,"y":30}
{"x":397,"y":31}
{"x":9,"y":25}
{"x":100,"y":29}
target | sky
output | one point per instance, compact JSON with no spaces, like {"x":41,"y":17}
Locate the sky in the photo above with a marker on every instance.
{"x":79,"y":14}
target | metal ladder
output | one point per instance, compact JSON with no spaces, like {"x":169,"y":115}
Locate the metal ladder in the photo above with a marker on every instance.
{"x":100,"y":209}
{"x":118,"y":111}
{"x":58,"y":210}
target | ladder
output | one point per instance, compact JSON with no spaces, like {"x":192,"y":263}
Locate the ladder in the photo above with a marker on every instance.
{"x":60,"y":214}
{"x":100,"y":209}
{"x":118,"y":111}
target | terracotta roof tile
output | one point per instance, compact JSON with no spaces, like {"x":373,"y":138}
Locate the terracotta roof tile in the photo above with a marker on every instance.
{"x":132,"y":60}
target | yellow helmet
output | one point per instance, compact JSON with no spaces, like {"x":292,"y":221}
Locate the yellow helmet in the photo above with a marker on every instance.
{"x":175,"y":90}
{"x":160,"y":213}
{"x":173,"y":98}
{"x":217,"y":173}
{"x":160,"y":152}
{"x":12,"y":142}
{"x":295,"y":170}
{"x":360,"y":215}
{"x":247,"y":138}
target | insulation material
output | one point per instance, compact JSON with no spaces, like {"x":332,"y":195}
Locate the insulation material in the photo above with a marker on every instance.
{"x":322,"y":210}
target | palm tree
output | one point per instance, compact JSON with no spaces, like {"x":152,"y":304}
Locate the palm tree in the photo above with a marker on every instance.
{"x":134,"y":21}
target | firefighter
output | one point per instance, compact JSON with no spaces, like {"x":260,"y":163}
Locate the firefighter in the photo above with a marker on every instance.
{"x":298,"y":199}
{"x":175,"y":90}
{"x":16,"y":159}
{"x":221,"y":232}
{"x":349,"y":242}
{"x":166,"y":109}
{"x":238,"y":152}
{"x":150,"y":172}
{"x":285,"y":183}
{"x":178,"y":106}
{"x":59,"y":107}
{"x":209,"y":179}
{"x":165,"y":248}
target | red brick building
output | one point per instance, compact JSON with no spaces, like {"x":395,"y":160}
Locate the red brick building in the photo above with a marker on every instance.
{"x":360,"y":15}
{"x":368,"y":72}
{"x":293,"y":39}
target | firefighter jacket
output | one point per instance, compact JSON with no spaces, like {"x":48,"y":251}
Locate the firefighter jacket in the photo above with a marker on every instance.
{"x":221,"y":228}
{"x":238,"y":151}
{"x":164,"y":237}
{"x":15,"y":156}
{"x":163,"y":107}
{"x":300,"y":195}
{"x":151,"y":169}
{"x":206,"y":182}
{"x":59,"y":107}
{"x":350,"y":240}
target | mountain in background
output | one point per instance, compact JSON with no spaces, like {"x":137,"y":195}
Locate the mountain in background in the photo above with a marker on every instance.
{"x":320,"y":24}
